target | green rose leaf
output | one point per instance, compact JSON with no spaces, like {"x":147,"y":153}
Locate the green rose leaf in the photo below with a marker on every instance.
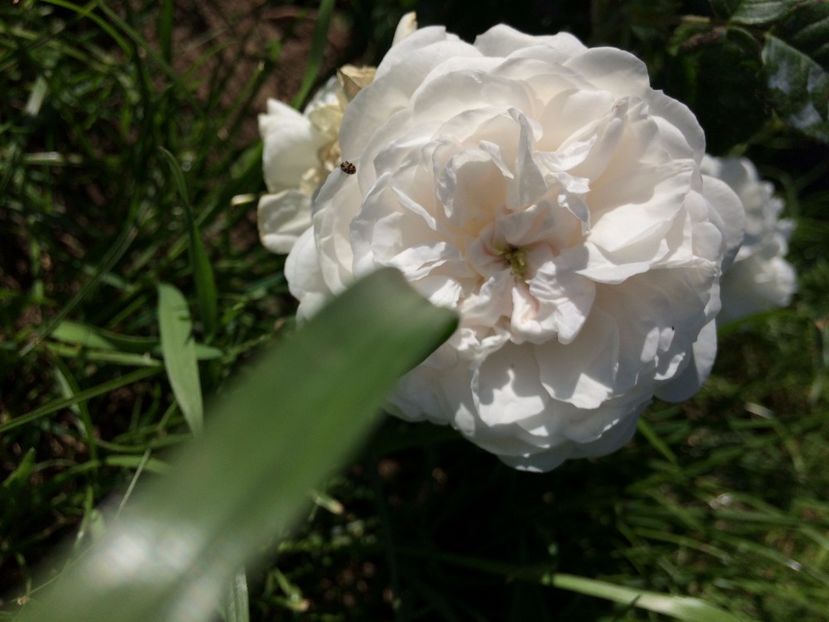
{"x":726,"y":63}
{"x":807,"y":29}
{"x":798,"y":88}
{"x":752,"y":12}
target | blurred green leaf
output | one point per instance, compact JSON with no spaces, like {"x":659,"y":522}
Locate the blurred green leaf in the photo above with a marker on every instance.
{"x":752,"y":11}
{"x":290,"y":418}
{"x":677,"y":607}
{"x":200,"y":263}
{"x":179,"y":351}
{"x":799,"y":88}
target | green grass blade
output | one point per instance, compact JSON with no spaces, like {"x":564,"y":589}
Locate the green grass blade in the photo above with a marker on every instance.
{"x":112,"y":256}
{"x":165,"y":29}
{"x":69,"y":387}
{"x":104,"y":356}
{"x":87,"y":12}
{"x":82,"y":396}
{"x":677,"y":607}
{"x":152,"y":465}
{"x":292,"y":416}
{"x":81,"y":335}
{"x":657,"y":443}
{"x":36,"y":97}
{"x":237,"y":608}
{"x":109,"y":25}
{"x":318,"y":44}
{"x":95,"y":341}
{"x":202,"y":270}
{"x":21,"y":473}
{"x":178,"y":349}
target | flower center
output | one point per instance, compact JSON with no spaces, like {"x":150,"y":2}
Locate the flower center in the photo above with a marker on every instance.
{"x":516,"y":258}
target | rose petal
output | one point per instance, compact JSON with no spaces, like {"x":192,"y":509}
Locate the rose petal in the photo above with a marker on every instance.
{"x":502,"y":40}
{"x":506,"y":387}
{"x":302,"y":270}
{"x":756,"y":284}
{"x":282,"y":218}
{"x":612,"y":70}
{"x":730,"y":215}
{"x":334,"y":207}
{"x":581,"y":373}
{"x":405,"y":27}
{"x":290,"y":145}
{"x":697,"y":369}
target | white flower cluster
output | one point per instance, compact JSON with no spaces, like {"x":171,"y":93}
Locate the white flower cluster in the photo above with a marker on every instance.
{"x":544,"y":191}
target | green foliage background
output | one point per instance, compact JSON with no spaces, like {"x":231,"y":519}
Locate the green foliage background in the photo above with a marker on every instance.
{"x":724,"y":498}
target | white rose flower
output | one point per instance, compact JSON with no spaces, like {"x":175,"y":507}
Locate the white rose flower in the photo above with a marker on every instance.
{"x":301,"y":149}
{"x":547,"y":193}
{"x":759,"y":279}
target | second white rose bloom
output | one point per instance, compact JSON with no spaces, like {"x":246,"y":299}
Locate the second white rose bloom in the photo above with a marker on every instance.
{"x":760,"y":278}
{"x":300,"y":149}
{"x":547,"y":193}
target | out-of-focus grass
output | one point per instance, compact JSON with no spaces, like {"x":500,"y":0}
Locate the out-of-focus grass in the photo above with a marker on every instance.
{"x":245,"y":481}
{"x":723,"y":498}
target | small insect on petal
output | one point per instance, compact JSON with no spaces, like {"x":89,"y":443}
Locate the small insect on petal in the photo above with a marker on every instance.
{"x":348,"y":167}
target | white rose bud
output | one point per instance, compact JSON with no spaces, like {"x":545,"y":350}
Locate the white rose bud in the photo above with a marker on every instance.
{"x":759,"y":279}
{"x":547,"y":193}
